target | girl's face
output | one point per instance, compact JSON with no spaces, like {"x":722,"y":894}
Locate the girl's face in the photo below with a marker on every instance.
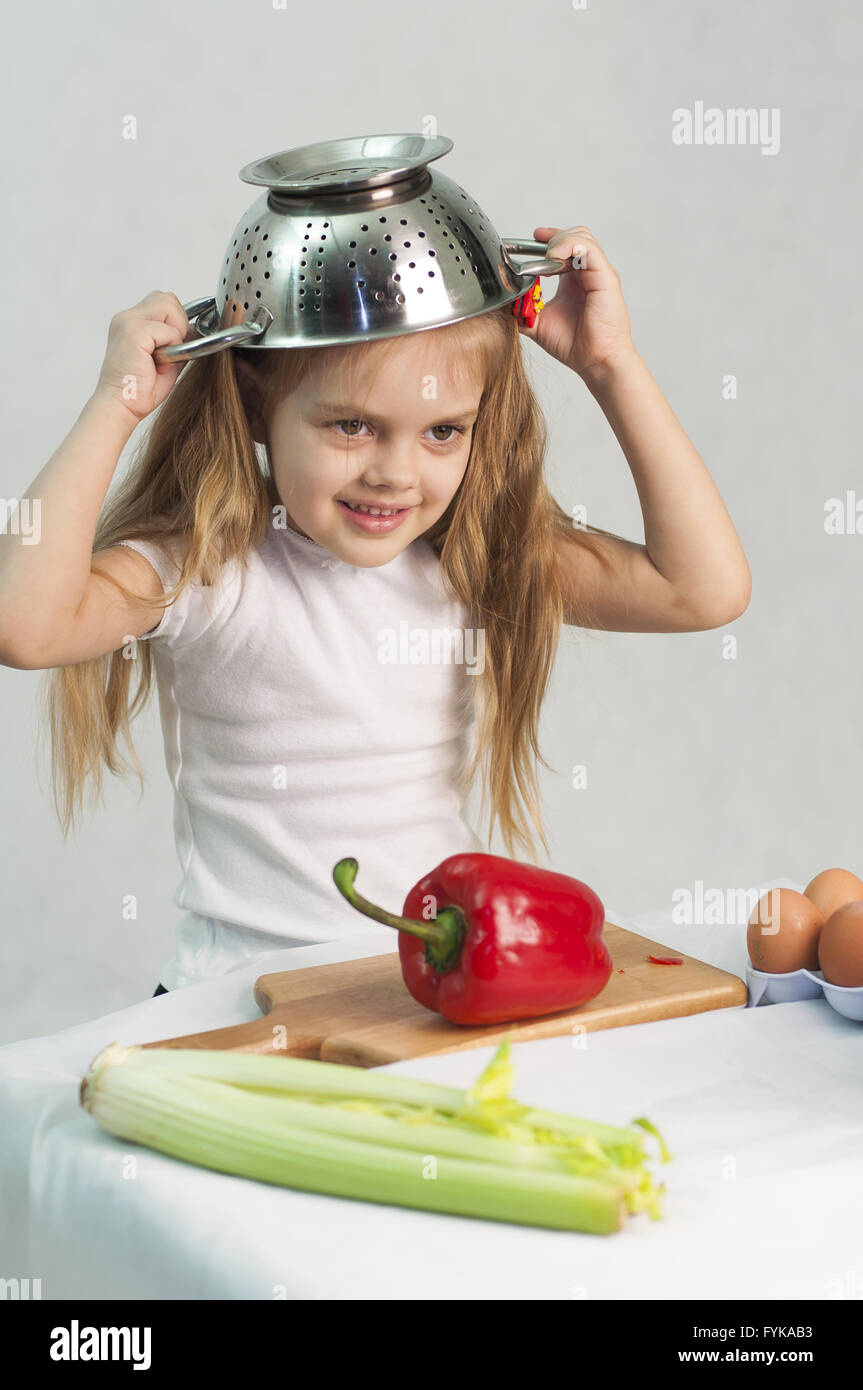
{"x":398,"y":440}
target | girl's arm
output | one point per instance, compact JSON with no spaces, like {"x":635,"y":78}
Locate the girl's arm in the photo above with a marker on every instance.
{"x":53,"y":610}
{"x":691,"y":572}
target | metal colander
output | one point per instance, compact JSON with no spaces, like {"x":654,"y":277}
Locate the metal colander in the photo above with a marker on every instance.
{"x":353,"y":240}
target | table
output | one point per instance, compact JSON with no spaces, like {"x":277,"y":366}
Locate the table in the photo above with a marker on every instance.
{"x":761,"y":1108}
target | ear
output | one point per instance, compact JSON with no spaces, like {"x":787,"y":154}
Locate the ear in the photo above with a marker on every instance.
{"x":250,"y":394}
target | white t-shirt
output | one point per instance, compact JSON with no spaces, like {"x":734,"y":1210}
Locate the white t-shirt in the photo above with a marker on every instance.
{"x":293,"y":739}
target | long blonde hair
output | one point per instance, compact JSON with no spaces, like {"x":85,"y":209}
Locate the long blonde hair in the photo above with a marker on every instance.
{"x":197,"y":477}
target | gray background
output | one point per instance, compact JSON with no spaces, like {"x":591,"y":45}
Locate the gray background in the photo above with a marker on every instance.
{"x":699,"y":768}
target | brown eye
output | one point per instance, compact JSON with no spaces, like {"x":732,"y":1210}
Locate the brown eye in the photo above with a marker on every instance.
{"x":453,"y":432}
{"x":348,"y":429}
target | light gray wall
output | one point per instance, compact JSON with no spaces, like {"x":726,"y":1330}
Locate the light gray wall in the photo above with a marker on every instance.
{"x":733,"y":262}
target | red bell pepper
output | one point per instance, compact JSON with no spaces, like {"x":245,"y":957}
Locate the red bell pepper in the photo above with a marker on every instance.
{"x":485,"y":939}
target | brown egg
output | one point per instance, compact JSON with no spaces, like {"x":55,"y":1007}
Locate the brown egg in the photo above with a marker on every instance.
{"x":840,"y":946}
{"x":833,"y":888}
{"x":783,"y":932}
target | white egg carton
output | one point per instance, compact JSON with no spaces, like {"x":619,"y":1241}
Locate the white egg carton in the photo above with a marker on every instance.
{"x":803,"y":984}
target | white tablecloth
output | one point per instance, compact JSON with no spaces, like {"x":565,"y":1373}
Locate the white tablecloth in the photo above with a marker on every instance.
{"x":761,"y":1108}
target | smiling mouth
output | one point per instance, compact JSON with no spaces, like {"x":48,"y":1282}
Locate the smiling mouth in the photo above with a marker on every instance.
{"x":368,"y":510}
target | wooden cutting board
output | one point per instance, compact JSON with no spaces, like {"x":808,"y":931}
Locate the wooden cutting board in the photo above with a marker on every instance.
{"x":360,"y":1012}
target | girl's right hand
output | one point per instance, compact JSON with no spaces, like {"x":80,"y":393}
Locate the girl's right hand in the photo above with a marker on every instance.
{"x":129,"y":376}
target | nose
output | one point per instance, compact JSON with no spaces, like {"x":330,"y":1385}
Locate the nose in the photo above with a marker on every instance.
{"x":390,"y":472}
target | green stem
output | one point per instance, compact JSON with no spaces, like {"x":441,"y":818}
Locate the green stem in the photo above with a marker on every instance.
{"x":443,"y":936}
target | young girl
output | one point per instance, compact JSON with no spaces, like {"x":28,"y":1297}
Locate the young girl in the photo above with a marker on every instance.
{"x":299,"y":528}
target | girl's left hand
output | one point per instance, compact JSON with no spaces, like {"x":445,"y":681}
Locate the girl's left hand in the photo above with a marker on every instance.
{"x":586,"y":325}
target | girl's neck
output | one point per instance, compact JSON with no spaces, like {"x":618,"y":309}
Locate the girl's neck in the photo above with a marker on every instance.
{"x":276,"y":501}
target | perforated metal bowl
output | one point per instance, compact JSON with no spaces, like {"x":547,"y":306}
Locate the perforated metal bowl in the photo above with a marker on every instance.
{"x":353,"y":240}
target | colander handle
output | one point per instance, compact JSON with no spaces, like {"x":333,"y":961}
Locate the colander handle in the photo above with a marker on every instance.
{"x":546,"y":265}
{"x":256,"y":324}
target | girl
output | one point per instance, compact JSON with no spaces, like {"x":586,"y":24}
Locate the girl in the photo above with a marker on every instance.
{"x":299,"y":528}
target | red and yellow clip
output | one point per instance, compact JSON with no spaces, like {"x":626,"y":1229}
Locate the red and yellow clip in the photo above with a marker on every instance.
{"x":528,"y":305}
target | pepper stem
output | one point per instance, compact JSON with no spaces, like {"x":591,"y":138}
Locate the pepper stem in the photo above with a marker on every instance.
{"x":443,"y":936}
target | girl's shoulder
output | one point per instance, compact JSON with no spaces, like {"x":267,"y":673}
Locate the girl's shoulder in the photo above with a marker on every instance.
{"x":197,"y":605}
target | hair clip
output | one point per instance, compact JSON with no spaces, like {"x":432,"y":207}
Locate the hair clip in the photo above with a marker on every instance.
{"x":528,"y":305}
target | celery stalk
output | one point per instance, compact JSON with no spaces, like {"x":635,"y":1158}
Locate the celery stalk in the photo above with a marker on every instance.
{"x":427,"y":1134}
{"x":349,"y":1132}
{"x":298,"y":1075}
{"x":224,"y":1128}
